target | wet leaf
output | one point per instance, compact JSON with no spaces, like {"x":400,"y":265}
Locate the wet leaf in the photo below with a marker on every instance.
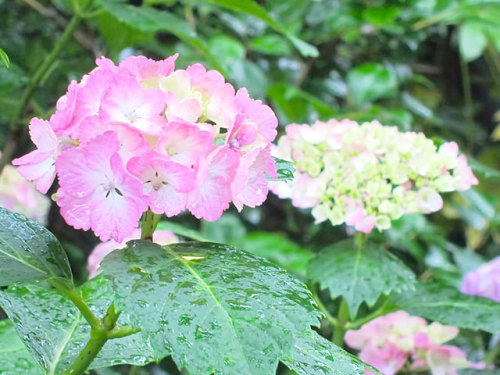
{"x":54,"y":331}
{"x":28,"y":251}
{"x":448,"y":305}
{"x":359,"y":275}
{"x":220,"y":309}
{"x":14,"y":357}
{"x":314,"y":355}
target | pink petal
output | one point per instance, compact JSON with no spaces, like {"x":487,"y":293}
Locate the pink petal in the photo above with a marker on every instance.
{"x":184,"y":143}
{"x":128,"y":103}
{"x":213,"y":186}
{"x":143,"y":68}
{"x":250,"y":185}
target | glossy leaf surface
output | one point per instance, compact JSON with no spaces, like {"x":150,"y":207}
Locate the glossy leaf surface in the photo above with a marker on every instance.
{"x":315,"y":355}
{"x":14,"y":357}
{"x":219,"y":309}
{"x":28,"y":251}
{"x":448,"y":305}
{"x":359,"y":275}
{"x":55,"y":332}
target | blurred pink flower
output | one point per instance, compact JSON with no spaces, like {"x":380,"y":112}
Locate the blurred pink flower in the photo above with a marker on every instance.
{"x":390,"y":341}
{"x":19,"y":195}
{"x":484,"y":281}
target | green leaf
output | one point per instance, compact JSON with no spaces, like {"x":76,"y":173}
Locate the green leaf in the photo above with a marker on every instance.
{"x":359,"y":275}
{"x":254,"y":9}
{"x":369,"y":82}
{"x":11,"y":78}
{"x":14,"y":357}
{"x":314,"y":355}
{"x":448,"y":305}
{"x":484,"y":170}
{"x":471,"y":40}
{"x":4,"y":58}
{"x":153,"y":20}
{"x":270,"y":44}
{"x":285,"y":170}
{"x":278,"y":249}
{"x":227,"y":230}
{"x":55,"y":332}
{"x":220,"y":309}
{"x":28,"y":251}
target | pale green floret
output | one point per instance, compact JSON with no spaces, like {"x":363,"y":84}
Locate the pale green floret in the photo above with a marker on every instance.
{"x":371,"y":168}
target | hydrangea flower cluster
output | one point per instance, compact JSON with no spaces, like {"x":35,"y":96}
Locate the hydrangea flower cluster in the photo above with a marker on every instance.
{"x":161,"y":237}
{"x":368,"y":174}
{"x":483,"y":281}
{"x":390,"y":342}
{"x":19,"y":195}
{"x":143,"y":135}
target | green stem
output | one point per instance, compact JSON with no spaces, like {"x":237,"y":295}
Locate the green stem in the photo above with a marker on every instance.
{"x":98,"y":337}
{"x":149,"y":222}
{"x":332,"y":320}
{"x":469,"y":114}
{"x":491,"y":355}
{"x":342,"y":319}
{"x":28,"y":92}
{"x":75,"y":297}
{"x":44,"y":68}
{"x":101,"y":330}
{"x":384,"y":309}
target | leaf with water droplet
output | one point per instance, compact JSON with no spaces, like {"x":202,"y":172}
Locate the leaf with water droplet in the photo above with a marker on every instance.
{"x":314,"y":355}
{"x":28,"y":251}
{"x":447,"y":305}
{"x":227,"y":312}
{"x":359,"y":275}
{"x":14,"y":357}
{"x":55,"y":336}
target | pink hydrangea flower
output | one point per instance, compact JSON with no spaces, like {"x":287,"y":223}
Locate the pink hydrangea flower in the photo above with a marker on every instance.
{"x":484,"y":281}
{"x":389,"y":342}
{"x":161,"y":237}
{"x":142,"y":135}
{"x":19,"y":195}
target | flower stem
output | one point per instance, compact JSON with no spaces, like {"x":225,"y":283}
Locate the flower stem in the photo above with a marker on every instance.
{"x":149,"y":223}
{"x":342,"y":320}
{"x":98,"y":337}
{"x":101,"y":330}
{"x":75,"y":297}
{"x":332,"y":320}
{"x":384,"y":309}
